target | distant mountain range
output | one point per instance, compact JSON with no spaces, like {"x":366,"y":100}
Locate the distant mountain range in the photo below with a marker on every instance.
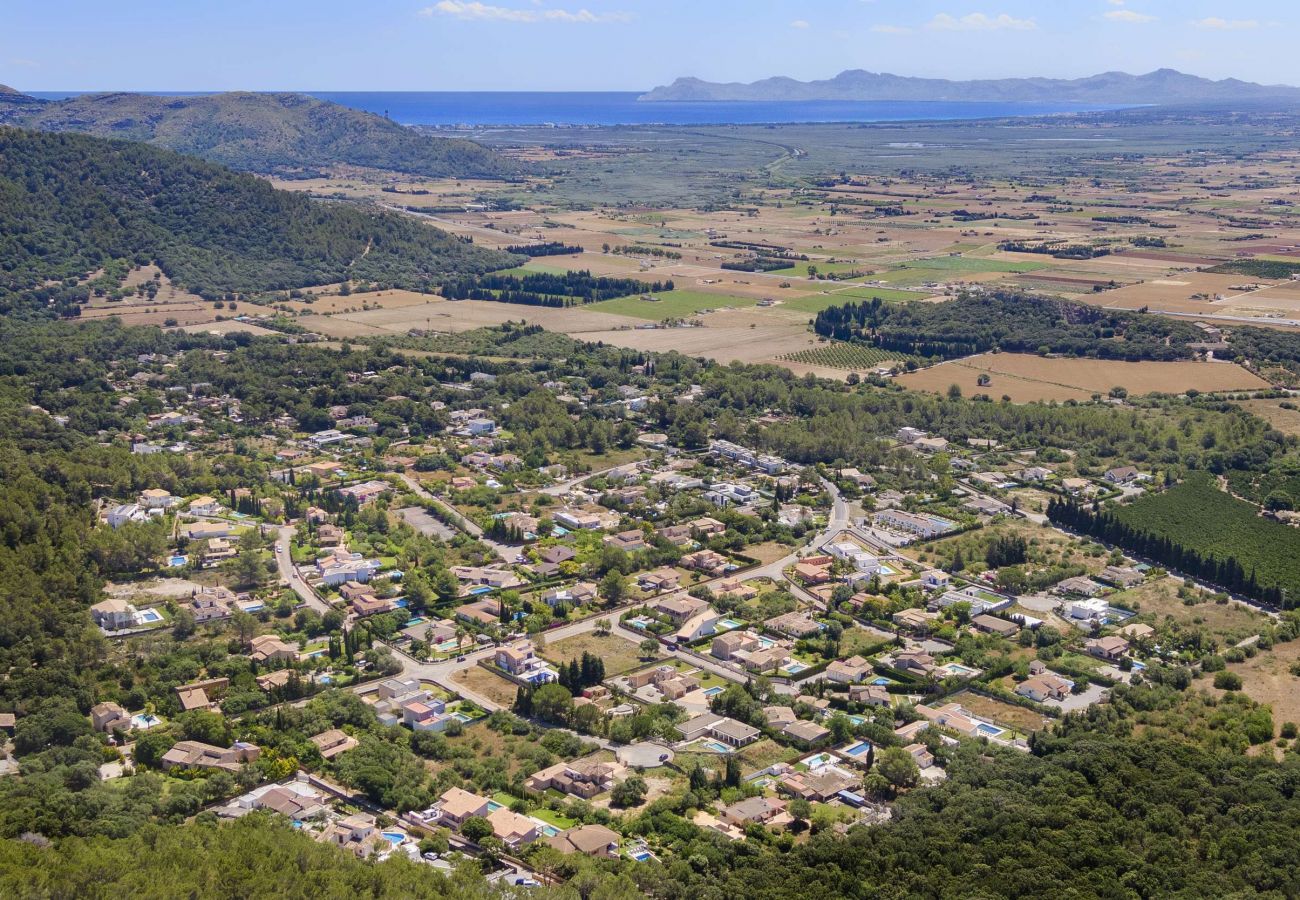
{"x":267,"y":133}
{"x":1162,"y":86}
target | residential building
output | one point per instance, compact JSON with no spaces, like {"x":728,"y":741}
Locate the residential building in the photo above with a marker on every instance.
{"x":198,"y":755}
{"x":583,"y":778}
{"x":589,"y":840}
{"x":806,"y":734}
{"x":456,"y":805}
{"x":272,"y":648}
{"x":113,"y":614}
{"x":333,"y":742}
{"x":994,"y":625}
{"x":848,"y":671}
{"x":752,"y":810}
{"x":1112,"y":647}
{"x":1044,"y":687}
{"x":108,"y":717}
{"x":729,"y":731}
{"x":512,"y":829}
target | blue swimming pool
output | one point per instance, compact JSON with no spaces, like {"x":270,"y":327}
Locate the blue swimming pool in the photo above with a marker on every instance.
{"x":880,"y":681}
{"x":642,"y":855}
{"x":394,"y":837}
{"x":481,"y":589}
{"x":715,"y":746}
{"x":794,"y":668}
{"x":148,"y":616}
{"x":177,"y":561}
{"x":861,"y":748}
{"x":713,"y":691}
{"x":728,"y":624}
{"x":988,"y":730}
{"x":857,"y":720}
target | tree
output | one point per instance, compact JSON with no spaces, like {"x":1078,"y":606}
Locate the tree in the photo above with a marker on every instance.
{"x":553,"y":703}
{"x":629,"y":792}
{"x":898,"y":767}
{"x":476,"y":828}
{"x":649,"y":648}
{"x":613,"y":587}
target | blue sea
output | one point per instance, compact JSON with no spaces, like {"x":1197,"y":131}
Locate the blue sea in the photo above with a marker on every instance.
{"x":450,"y":108}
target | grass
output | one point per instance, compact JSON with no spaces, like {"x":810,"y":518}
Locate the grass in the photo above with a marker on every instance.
{"x":818,"y":302}
{"x":669,"y":305}
{"x":619,"y":655}
{"x":1157,"y":602}
{"x":1016,"y":717}
{"x":486,"y":684}
{"x":764,"y":753}
{"x":550,"y":817}
{"x":969,"y":264}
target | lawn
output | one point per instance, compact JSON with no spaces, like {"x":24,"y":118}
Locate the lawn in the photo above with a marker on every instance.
{"x":859,"y":641}
{"x":669,"y":305}
{"x":550,"y":817}
{"x":619,"y":655}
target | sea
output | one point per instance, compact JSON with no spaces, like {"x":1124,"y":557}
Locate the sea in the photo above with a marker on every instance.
{"x":570,"y":108}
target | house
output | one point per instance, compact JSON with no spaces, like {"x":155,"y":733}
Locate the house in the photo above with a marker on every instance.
{"x":848,"y":671}
{"x":589,"y":840}
{"x":577,"y":595}
{"x":206,"y":531}
{"x":8,"y":721}
{"x":1122,"y":576}
{"x":295,"y":801}
{"x":1123,"y":475}
{"x":909,"y":435}
{"x":702,"y":624}
{"x":272,"y":648}
{"x":333,"y":742}
{"x":512,"y":829}
{"x":204,"y":506}
{"x":766,"y":659}
{"x":727,"y":646}
{"x":271,"y":681}
{"x":931,"y":444}
{"x":994,"y":625}
{"x":355,"y":833}
{"x":124,"y":514}
{"x":629,"y":541}
{"x":923,"y":526}
{"x":516,"y":657}
{"x":706,"y":561}
{"x":678,"y":686}
{"x":677,"y":535}
{"x":365,"y":492}
{"x":1111,"y":647}
{"x":1093,"y":608}
{"x":1137,"y":631}
{"x":196,"y":695}
{"x":915,"y":620}
{"x":779,"y":716}
{"x":736,"y":589}
{"x":793,"y":624}
{"x":752,"y":810}
{"x":660,"y":580}
{"x":729,"y":731}
{"x":869,"y":694}
{"x":556,"y":554}
{"x":156,"y":498}
{"x":1044,"y":687}
{"x":920,"y":754}
{"x":198,"y":755}
{"x":108,"y":717}
{"x":914,"y":661}
{"x":456,"y":805}
{"x":337,"y":573}
{"x":806,"y":734}
{"x":1080,"y":585}
{"x":818,"y":785}
{"x":113,"y":614}
{"x":425,"y":715}
{"x":678,"y":609}
{"x":583,"y":778}
{"x":812,"y":573}
{"x":480,"y":612}
{"x":392,"y":688}
{"x":707,"y":526}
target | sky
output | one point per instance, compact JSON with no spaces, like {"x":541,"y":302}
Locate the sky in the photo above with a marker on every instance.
{"x":613,"y":45}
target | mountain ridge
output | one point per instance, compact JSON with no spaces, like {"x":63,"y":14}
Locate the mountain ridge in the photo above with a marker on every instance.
{"x":1157,"y":87}
{"x":260,"y":132}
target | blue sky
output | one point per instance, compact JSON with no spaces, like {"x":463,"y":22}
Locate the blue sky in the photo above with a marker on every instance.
{"x":622,"y":44}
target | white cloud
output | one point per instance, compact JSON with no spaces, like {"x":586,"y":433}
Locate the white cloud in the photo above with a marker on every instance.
{"x":1217,"y":24}
{"x":1128,"y":16}
{"x":890,"y":29}
{"x":1115,"y":2}
{"x":980,"y":22}
{"x":799,"y":23}
{"x":474,"y":11}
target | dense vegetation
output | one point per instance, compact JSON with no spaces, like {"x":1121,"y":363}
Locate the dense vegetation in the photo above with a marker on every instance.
{"x":264,"y":132}
{"x":71,"y":204}
{"x":549,"y":248}
{"x":558,"y":289}
{"x":1005,"y":321}
{"x":1257,"y":268}
{"x":1197,"y":528}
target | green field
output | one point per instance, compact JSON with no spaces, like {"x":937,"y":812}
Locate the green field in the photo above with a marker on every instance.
{"x":669,"y":305}
{"x":827,"y":268}
{"x":845,"y":356}
{"x":860,"y":293}
{"x":971,"y":264}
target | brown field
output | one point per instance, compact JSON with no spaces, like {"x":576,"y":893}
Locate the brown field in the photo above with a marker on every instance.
{"x":1158,"y":602}
{"x":1017,"y":717}
{"x":485,"y":683}
{"x":1025,"y":377}
{"x":619,"y":655}
{"x":1267,"y":678}
{"x":1286,"y":421}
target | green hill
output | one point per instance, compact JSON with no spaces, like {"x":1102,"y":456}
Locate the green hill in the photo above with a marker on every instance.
{"x":70,"y":204}
{"x":258,"y":132}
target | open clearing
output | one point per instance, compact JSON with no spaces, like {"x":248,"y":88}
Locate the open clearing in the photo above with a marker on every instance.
{"x":481,"y":681}
{"x":619,"y":655}
{"x":670,"y":305}
{"x":1266,"y":678}
{"x":1286,"y":421}
{"x":1025,"y":377}
{"x":1017,"y":717}
{"x":1158,"y":602}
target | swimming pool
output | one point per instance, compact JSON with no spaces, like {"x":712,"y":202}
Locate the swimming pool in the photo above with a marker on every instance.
{"x":715,"y":746}
{"x":794,"y":668}
{"x":545,"y":830}
{"x":144,"y":722}
{"x":462,"y":717}
{"x":148,"y":616}
{"x":713,"y":691}
{"x":861,"y":748}
{"x":817,"y":760}
{"x":325,"y":679}
{"x":401,"y":603}
{"x":177,"y":561}
{"x":642,"y":855}
{"x":394,"y":837}
{"x":880,"y":681}
{"x":481,"y":589}
{"x":414,"y":620}
{"x":493,"y":806}
{"x":727,"y":624}
{"x":958,"y":669}
{"x":988,"y":730}
{"x":857,"y":720}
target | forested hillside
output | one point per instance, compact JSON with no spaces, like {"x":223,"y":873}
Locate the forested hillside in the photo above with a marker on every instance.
{"x":70,"y":204}
{"x":283,"y":132}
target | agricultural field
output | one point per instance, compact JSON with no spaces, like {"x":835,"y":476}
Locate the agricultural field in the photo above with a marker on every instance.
{"x":1025,"y":377}
{"x":1265,"y":550}
{"x":846,"y":356}
{"x":676,"y":304}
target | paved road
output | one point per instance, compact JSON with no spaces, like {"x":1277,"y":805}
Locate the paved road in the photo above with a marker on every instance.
{"x":289,"y":572}
{"x":837,"y":521}
{"x":560,"y":488}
